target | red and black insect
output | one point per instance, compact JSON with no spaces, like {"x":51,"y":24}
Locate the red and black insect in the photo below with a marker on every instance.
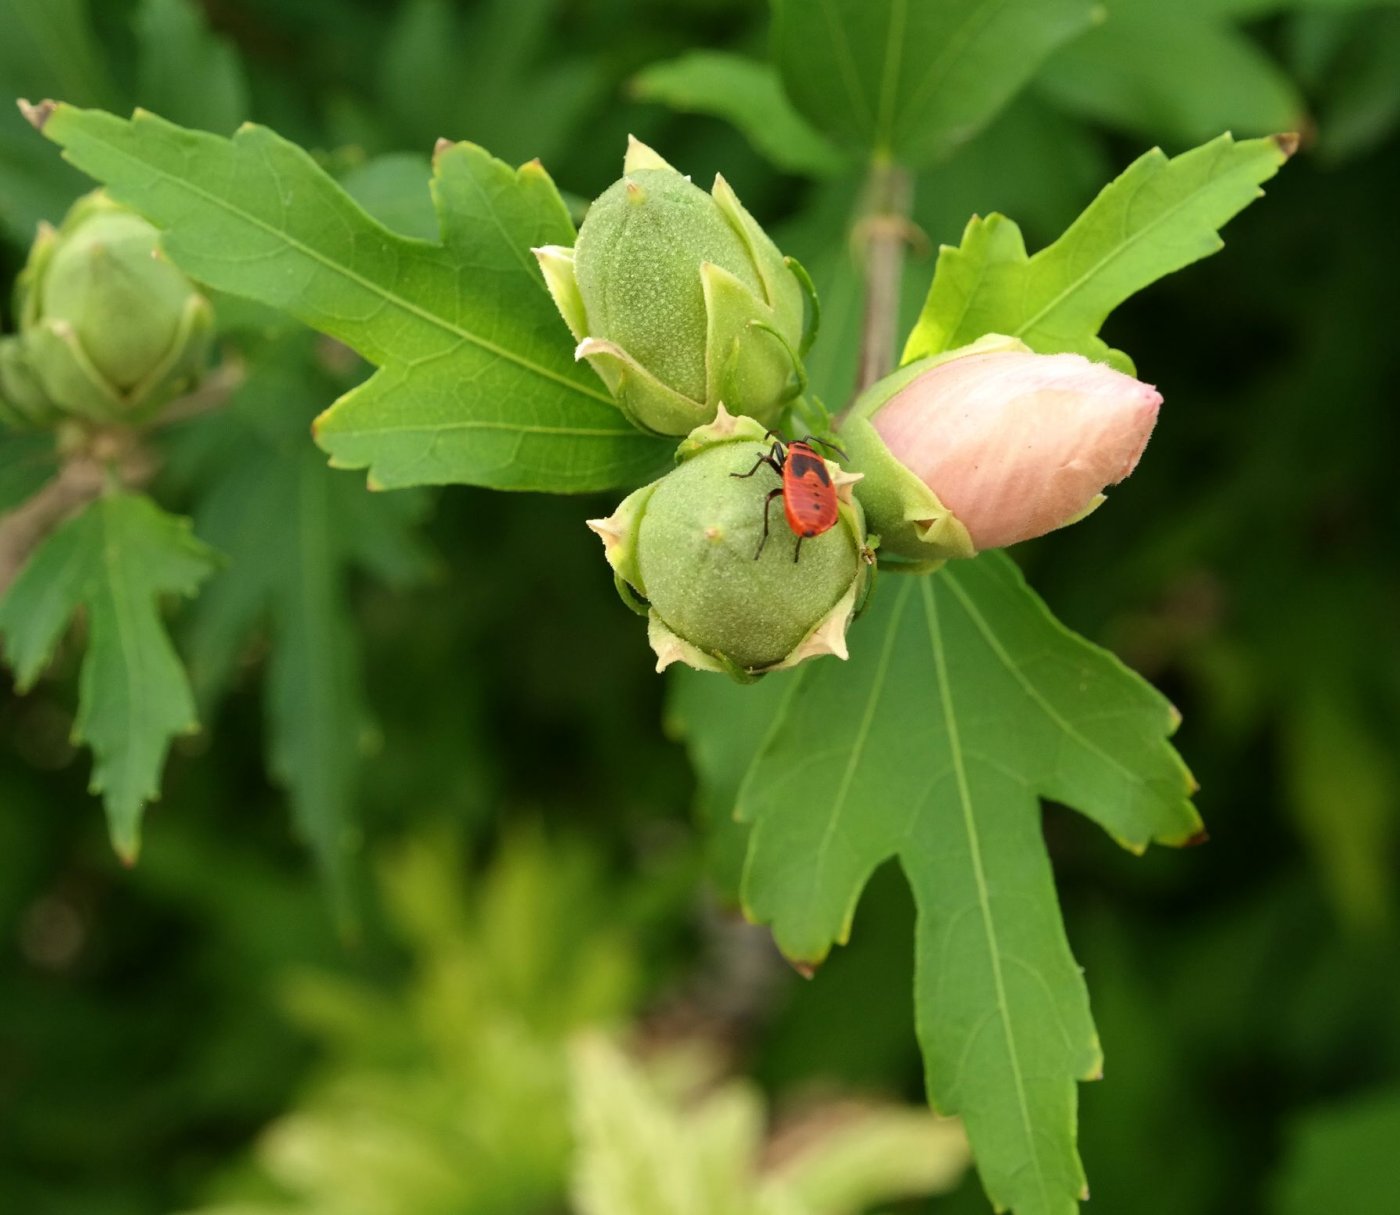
{"x":809,"y":498}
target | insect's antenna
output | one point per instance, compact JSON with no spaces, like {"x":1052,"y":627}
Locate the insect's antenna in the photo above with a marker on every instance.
{"x":828,"y":445}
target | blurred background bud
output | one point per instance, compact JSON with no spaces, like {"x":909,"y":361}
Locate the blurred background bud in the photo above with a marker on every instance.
{"x":110,"y":329}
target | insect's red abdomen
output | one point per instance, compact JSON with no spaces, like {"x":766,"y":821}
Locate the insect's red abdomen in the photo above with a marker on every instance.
{"x":809,"y":498}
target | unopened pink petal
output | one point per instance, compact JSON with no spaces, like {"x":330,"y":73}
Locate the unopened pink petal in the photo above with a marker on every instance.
{"x":1017,"y":444}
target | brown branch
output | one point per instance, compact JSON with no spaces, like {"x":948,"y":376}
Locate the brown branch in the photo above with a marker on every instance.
{"x":82,"y":477}
{"x":212,"y":393}
{"x":97,"y":459}
{"x":883,"y":233}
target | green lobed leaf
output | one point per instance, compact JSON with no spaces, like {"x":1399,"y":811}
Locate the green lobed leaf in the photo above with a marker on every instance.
{"x":748,"y":95}
{"x":911,"y":81}
{"x":476,"y":380}
{"x":1156,"y":217}
{"x":115,"y":559}
{"x":294,"y":532}
{"x":964,"y":703}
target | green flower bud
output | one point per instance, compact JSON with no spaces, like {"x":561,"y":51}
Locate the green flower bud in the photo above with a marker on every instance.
{"x":683,"y":552}
{"x":679,"y":300}
{"x":111,"y":329}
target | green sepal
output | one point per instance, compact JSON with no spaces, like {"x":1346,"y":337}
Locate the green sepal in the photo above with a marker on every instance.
{"x":629,"y":596}
{"x":812,"y":305}
{"x":66,"y":374}
{"x":746,"y":358}
{"x":24,"y":404}
{"x":639,"y":156}
{"x":619,"y":535}
{"x":179,"y":371}
{"x":643,"y":399}
{"x":557,"y":266}
{"x":783,"y":290}
{"x":725,"y":428}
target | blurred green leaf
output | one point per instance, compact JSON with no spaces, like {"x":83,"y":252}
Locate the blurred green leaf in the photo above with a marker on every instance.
{"x":748,"y":95}
{"x":1352,"y":824}
{"x":1343,"y":1159}
{"x":963,"y":703}
{"x":34,"y":185}
{"x":115,"y":559}
{"x":184,"y":71}
{"x":1353,"y":60}
{"x":1178,"y":72}
{"x":494,"y":73}
{"x":52,"y":43}
{"x":722,"y":725}
{"x":27,"y":462}
{"x":294,"y":531}
{"x":911,"y":81}
{"x":476,"y":381}
{"x":1156,"y":217}
{"x":47,"y":47}
{"x":446,"y":1092}
{"x":663,"y":1141}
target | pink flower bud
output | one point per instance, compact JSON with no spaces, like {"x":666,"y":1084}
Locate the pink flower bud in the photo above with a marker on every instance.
{"x":1016,"y":444}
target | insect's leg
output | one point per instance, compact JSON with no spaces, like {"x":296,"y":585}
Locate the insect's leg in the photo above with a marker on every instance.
{"x":767,"y":506}
{"x":762,"y":460}
{"x":797,"y":551}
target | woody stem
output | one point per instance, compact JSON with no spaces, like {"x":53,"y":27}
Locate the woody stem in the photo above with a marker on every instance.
{"x":881,"y":234}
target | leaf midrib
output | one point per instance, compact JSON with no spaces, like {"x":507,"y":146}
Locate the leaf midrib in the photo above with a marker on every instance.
{"x":1119,"y":249}
{"x":857,"y":749}
{"x":1031,"y":691}
{"x":119,"y":596}
{"x":389,"y":297}
{"x":983,"y":896}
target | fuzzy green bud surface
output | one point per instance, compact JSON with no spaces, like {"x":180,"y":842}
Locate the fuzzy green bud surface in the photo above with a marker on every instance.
{"x":686,"y":549}
{"x":680,"y":301}
{"x":110,"y":329}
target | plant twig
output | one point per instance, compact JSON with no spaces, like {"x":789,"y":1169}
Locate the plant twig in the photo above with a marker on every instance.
{"x":83,"y":476}
{"x":882,"y":232}
{"x":212,"y":393}
{"x":92,"y":461}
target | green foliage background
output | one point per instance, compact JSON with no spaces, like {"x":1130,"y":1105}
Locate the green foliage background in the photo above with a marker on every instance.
{"x":484,"y":684}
